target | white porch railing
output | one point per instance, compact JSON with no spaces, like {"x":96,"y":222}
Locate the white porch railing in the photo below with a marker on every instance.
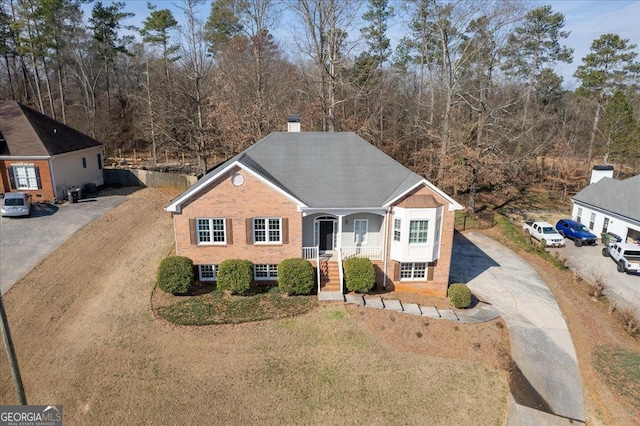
{"x":310,"y":253}
{"x":373,"y":253}
{"x":341,"y":271}
{"x":313,"y":253}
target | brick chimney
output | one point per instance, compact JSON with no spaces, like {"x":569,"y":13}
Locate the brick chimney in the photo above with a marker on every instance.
{"x":293,"y":123}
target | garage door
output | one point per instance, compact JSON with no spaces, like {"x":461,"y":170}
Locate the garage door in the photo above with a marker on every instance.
{"x":633,"y":235}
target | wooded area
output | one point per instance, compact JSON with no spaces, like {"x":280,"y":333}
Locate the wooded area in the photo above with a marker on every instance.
{"x":469,"y":97}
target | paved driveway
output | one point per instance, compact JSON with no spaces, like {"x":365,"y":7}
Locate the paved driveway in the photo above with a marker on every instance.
{"x":25,"y":242}
{"x":549,"y":388}
{"x":590,"y":264}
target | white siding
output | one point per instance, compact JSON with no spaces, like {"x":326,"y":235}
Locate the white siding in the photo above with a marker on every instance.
{"x":617,"y":225}
{"x":375,"y":233}
{"x":402,"y":251}
{"x":68,"y":170}
{"x":375,"y":236}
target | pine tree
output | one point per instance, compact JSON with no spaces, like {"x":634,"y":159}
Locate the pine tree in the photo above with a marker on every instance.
{"x":609,"y":66}
{"x":534,"y":46}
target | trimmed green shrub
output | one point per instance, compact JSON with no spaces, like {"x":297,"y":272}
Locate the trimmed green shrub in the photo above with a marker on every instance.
{"x":295,"y":276}
{"x":235,"y":275}
{"x":460,"y":295}
{"x":175,"y":274}
{"x":359,"y":274}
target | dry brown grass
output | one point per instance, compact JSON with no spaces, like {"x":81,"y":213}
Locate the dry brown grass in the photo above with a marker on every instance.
{"x":86,"y":338}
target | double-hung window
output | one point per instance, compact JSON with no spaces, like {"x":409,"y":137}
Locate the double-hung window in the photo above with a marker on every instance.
{"x":265,"y":272}
{"x":211,"y":231}
{"x":25,"y":177}
{"x":418,"y":231}
{"x":360,"y":227}
{"x":413,"y":270}
{"x":267,"y":230}
{"x":592,"y":221}
{"x":208,"y":272}
{"x":397,"y":223}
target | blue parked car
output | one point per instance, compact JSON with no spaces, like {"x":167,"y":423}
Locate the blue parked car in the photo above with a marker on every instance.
{"x":575,"y":231}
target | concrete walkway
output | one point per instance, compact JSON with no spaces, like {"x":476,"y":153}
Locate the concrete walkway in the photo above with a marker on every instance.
{"x":549,"y":390}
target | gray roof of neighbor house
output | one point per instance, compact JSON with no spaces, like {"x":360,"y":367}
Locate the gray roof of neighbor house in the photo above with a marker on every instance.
{"x":27,"y":133}
{"x":617,"y":196}
{"x":325,"y":170}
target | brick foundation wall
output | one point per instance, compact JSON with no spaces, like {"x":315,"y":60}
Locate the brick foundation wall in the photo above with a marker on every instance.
{"x":251,"y":199}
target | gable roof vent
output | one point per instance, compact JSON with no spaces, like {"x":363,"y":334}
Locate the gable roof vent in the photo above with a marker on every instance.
{"x":293,"y":123}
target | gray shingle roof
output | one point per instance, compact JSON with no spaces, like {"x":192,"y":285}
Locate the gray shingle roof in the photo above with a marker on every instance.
{"x":330,"y":169}
{"x":322,"y":170}
{"x":28,"y":133}
{"x":617,"y":196}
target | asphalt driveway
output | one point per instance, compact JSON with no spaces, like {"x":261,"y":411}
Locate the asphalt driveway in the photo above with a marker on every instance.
{"x":25,"y":242}
{"x":589,"y":263}
{"x":549,"y":390}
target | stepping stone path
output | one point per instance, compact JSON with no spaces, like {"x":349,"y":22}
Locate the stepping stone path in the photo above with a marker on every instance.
{"x":482,"y":312}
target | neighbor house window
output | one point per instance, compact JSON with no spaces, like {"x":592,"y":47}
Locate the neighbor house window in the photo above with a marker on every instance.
{"x":360,"y":231}
{"x":210,"y":231}
{"x":605,"y":225}
{"x":413,"y":270}
{"x":265,"y":272}
{"x":579,"y":218}
{"x":397,"y":223}
{"x":267,"y":230}
{"x":418,"y":231}
{"x":208,"y":272}
{"x":84,"y":162}
{"x":99,"y":161}
{"x":592,"y":221}
{"x":25,"y":177}
{"x":438,"y":226}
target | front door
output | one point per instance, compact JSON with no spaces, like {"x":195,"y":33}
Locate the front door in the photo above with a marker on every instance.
{"x":325,"y":235}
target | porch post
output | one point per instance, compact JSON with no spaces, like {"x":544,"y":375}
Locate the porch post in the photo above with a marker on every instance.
{"x":339,"y":243}
{"x":386,"y":223}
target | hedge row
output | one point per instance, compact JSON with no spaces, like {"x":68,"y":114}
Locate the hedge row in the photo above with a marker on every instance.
{"x":175,"y":275}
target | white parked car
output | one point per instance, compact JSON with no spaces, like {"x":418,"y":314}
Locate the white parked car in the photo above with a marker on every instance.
{"x":544,"y":231}
{"x":15,"y":204}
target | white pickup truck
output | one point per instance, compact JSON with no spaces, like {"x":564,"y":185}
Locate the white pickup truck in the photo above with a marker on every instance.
{"x":544,"y":231}
{"x":626,"y":255}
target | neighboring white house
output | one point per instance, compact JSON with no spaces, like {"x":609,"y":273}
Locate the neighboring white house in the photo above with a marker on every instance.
{"x":609,"y":205}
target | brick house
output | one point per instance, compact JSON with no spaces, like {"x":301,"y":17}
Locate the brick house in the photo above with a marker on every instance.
{"x":43,"y":157}
{"x":324,"y":197}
